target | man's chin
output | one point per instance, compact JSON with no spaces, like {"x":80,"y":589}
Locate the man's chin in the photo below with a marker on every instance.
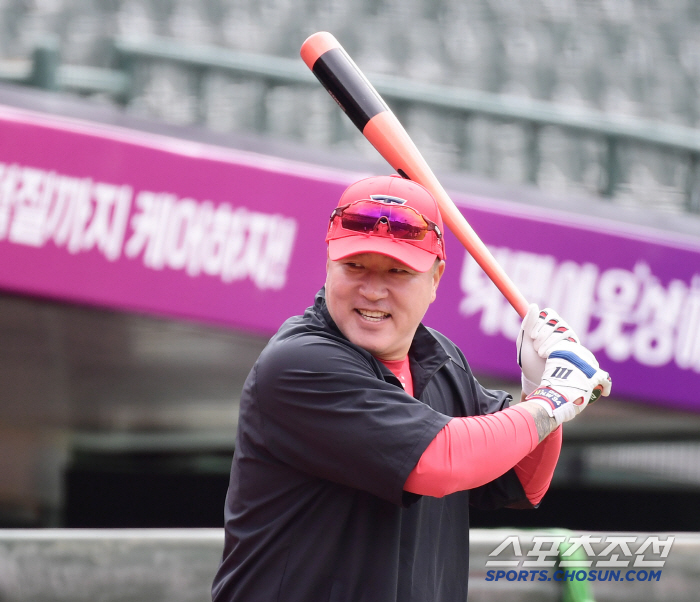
{"x":372,"y":344}
{"x":381,"y":350}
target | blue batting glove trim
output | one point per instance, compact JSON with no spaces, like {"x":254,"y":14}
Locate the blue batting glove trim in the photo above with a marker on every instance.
{"x":574,"y":359}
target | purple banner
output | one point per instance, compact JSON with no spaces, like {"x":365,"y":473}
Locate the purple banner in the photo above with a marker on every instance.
{"x":113,"y":217}
{"x":632,"y":295}
{"x":100,"y":215}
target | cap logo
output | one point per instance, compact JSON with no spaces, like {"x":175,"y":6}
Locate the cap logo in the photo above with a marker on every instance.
{"x":385,"y":198}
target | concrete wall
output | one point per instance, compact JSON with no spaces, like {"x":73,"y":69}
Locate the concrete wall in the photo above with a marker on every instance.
{"x":178,"y":566}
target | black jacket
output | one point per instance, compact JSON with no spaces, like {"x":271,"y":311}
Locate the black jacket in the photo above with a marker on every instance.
{"x":326,"y":439}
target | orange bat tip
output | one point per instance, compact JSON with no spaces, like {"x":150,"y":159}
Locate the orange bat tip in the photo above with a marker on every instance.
{"x":317,"y":44}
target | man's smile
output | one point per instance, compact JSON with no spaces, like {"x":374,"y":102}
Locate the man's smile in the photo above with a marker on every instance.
{"x":373,"y":316}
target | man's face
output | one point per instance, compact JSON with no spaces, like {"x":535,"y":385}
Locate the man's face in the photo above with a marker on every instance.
{"x":378,"y":302}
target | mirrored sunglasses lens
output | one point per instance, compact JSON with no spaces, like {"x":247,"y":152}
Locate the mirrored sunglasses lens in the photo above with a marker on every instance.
{"x":402,"y":229}
{"x":358,"y":223}
{"x":403,"y":222}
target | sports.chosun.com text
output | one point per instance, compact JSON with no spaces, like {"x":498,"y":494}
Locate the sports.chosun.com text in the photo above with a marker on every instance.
{"x":573,"y":575}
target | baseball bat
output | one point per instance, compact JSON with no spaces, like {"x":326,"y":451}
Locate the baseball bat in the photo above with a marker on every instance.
{"x":353,"y":92}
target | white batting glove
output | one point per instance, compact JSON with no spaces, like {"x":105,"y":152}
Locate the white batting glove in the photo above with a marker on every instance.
{"x":539,"y":332}
{"x":572,"y":379}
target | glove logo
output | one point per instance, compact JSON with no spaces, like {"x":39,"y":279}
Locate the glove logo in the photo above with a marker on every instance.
{"x":552,"y":397}
{"x":562,"y":373}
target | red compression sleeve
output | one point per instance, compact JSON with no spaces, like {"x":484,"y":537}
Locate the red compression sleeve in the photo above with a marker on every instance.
{"x":535,"y":470}
{"x":469,"y":452}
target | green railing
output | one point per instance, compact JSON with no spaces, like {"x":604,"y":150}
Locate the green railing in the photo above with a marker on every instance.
{"x":45,"y":71}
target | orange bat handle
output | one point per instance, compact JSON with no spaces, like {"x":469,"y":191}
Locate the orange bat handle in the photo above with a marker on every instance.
{"x":368,"y":111}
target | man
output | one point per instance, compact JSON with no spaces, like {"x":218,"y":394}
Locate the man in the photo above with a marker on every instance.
{"x":364,"y":437}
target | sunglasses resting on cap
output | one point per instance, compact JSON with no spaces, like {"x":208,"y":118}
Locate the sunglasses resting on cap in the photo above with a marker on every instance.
{"x":387,"y":215}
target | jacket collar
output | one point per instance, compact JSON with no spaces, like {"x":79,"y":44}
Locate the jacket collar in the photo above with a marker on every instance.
{"x":426,"y":354}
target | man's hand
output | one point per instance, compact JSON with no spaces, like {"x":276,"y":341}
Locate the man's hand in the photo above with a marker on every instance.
{"x":540,"y":331}
{"x":571,"y":376}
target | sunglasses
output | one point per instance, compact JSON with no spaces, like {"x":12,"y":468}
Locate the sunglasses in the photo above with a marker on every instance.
{"x":401,"y":221}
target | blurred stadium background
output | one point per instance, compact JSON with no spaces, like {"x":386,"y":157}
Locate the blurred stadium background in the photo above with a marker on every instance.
{"x":112,"y":419}
{"x":630,"y":59}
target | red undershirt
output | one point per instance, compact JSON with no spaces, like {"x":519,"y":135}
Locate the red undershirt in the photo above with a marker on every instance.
{"x":401,"y":370}
{"x":469,"y":452}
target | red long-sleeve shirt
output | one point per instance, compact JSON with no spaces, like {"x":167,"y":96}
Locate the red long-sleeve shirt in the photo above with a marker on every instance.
{"x":469,"y":452}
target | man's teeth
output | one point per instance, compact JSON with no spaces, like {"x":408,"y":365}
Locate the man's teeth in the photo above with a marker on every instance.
{"x":374,"y":316}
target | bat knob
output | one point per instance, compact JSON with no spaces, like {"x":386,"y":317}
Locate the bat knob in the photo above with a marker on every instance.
{"x":597,"y":392}
{"x":315,"y":45}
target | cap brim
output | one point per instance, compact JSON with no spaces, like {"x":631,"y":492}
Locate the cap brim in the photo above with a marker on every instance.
{"x":414,"y":257}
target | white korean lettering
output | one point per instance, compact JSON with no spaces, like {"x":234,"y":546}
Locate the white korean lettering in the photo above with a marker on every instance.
{"x":687,"y":351}
{"x":233,"y":267}
{"x":583,"y":541}
{"x":481,"y":295}
{"x":231,"y":244}
{"x":517,"y":551}
{"x":9,"y":177}
{"x":542,"y":554}
{"x":618,"y":291}
{"x":176,"y":243}
{"x":532,"y":274}
{"x":570,"y":285}
{"x":259,"y":247}
{"x":629,"y":314}
{"x":254,"y":245}
{"x":213,"y":247}
{"x":82,"y":212}
{"x":187,"y":231}
{"x":571,"y":293}
{"x":182,"y":234}
{"x":271,"y":271}
{"x":615,"y":542}
{"x":657,"y":316}
{"x":661,"y":548}
{"x":280,"y":251}
{"x":68,"y":195}
{"x":107,"y":228}
{"x":149,"y":227}
{"x":197,"y":234}
{"x":30,"y":208}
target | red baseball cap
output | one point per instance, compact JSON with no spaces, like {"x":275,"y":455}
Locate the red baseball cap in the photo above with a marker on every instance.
{"x":394,"y":191}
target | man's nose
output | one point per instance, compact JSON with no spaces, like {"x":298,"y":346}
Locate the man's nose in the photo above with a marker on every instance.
{"x":373,"y":287}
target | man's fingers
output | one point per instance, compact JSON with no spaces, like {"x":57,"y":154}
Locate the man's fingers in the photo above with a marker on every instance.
{"x":550,"y":330}
{"x":531,"y":320}
{"x":605,"y":381}
{"x":537,"y":321}
{"x":603,"y":387}
{"x":561,"y":333}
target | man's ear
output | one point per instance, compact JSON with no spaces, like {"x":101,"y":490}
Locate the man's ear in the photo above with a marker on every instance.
{"x":438,"y":271}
